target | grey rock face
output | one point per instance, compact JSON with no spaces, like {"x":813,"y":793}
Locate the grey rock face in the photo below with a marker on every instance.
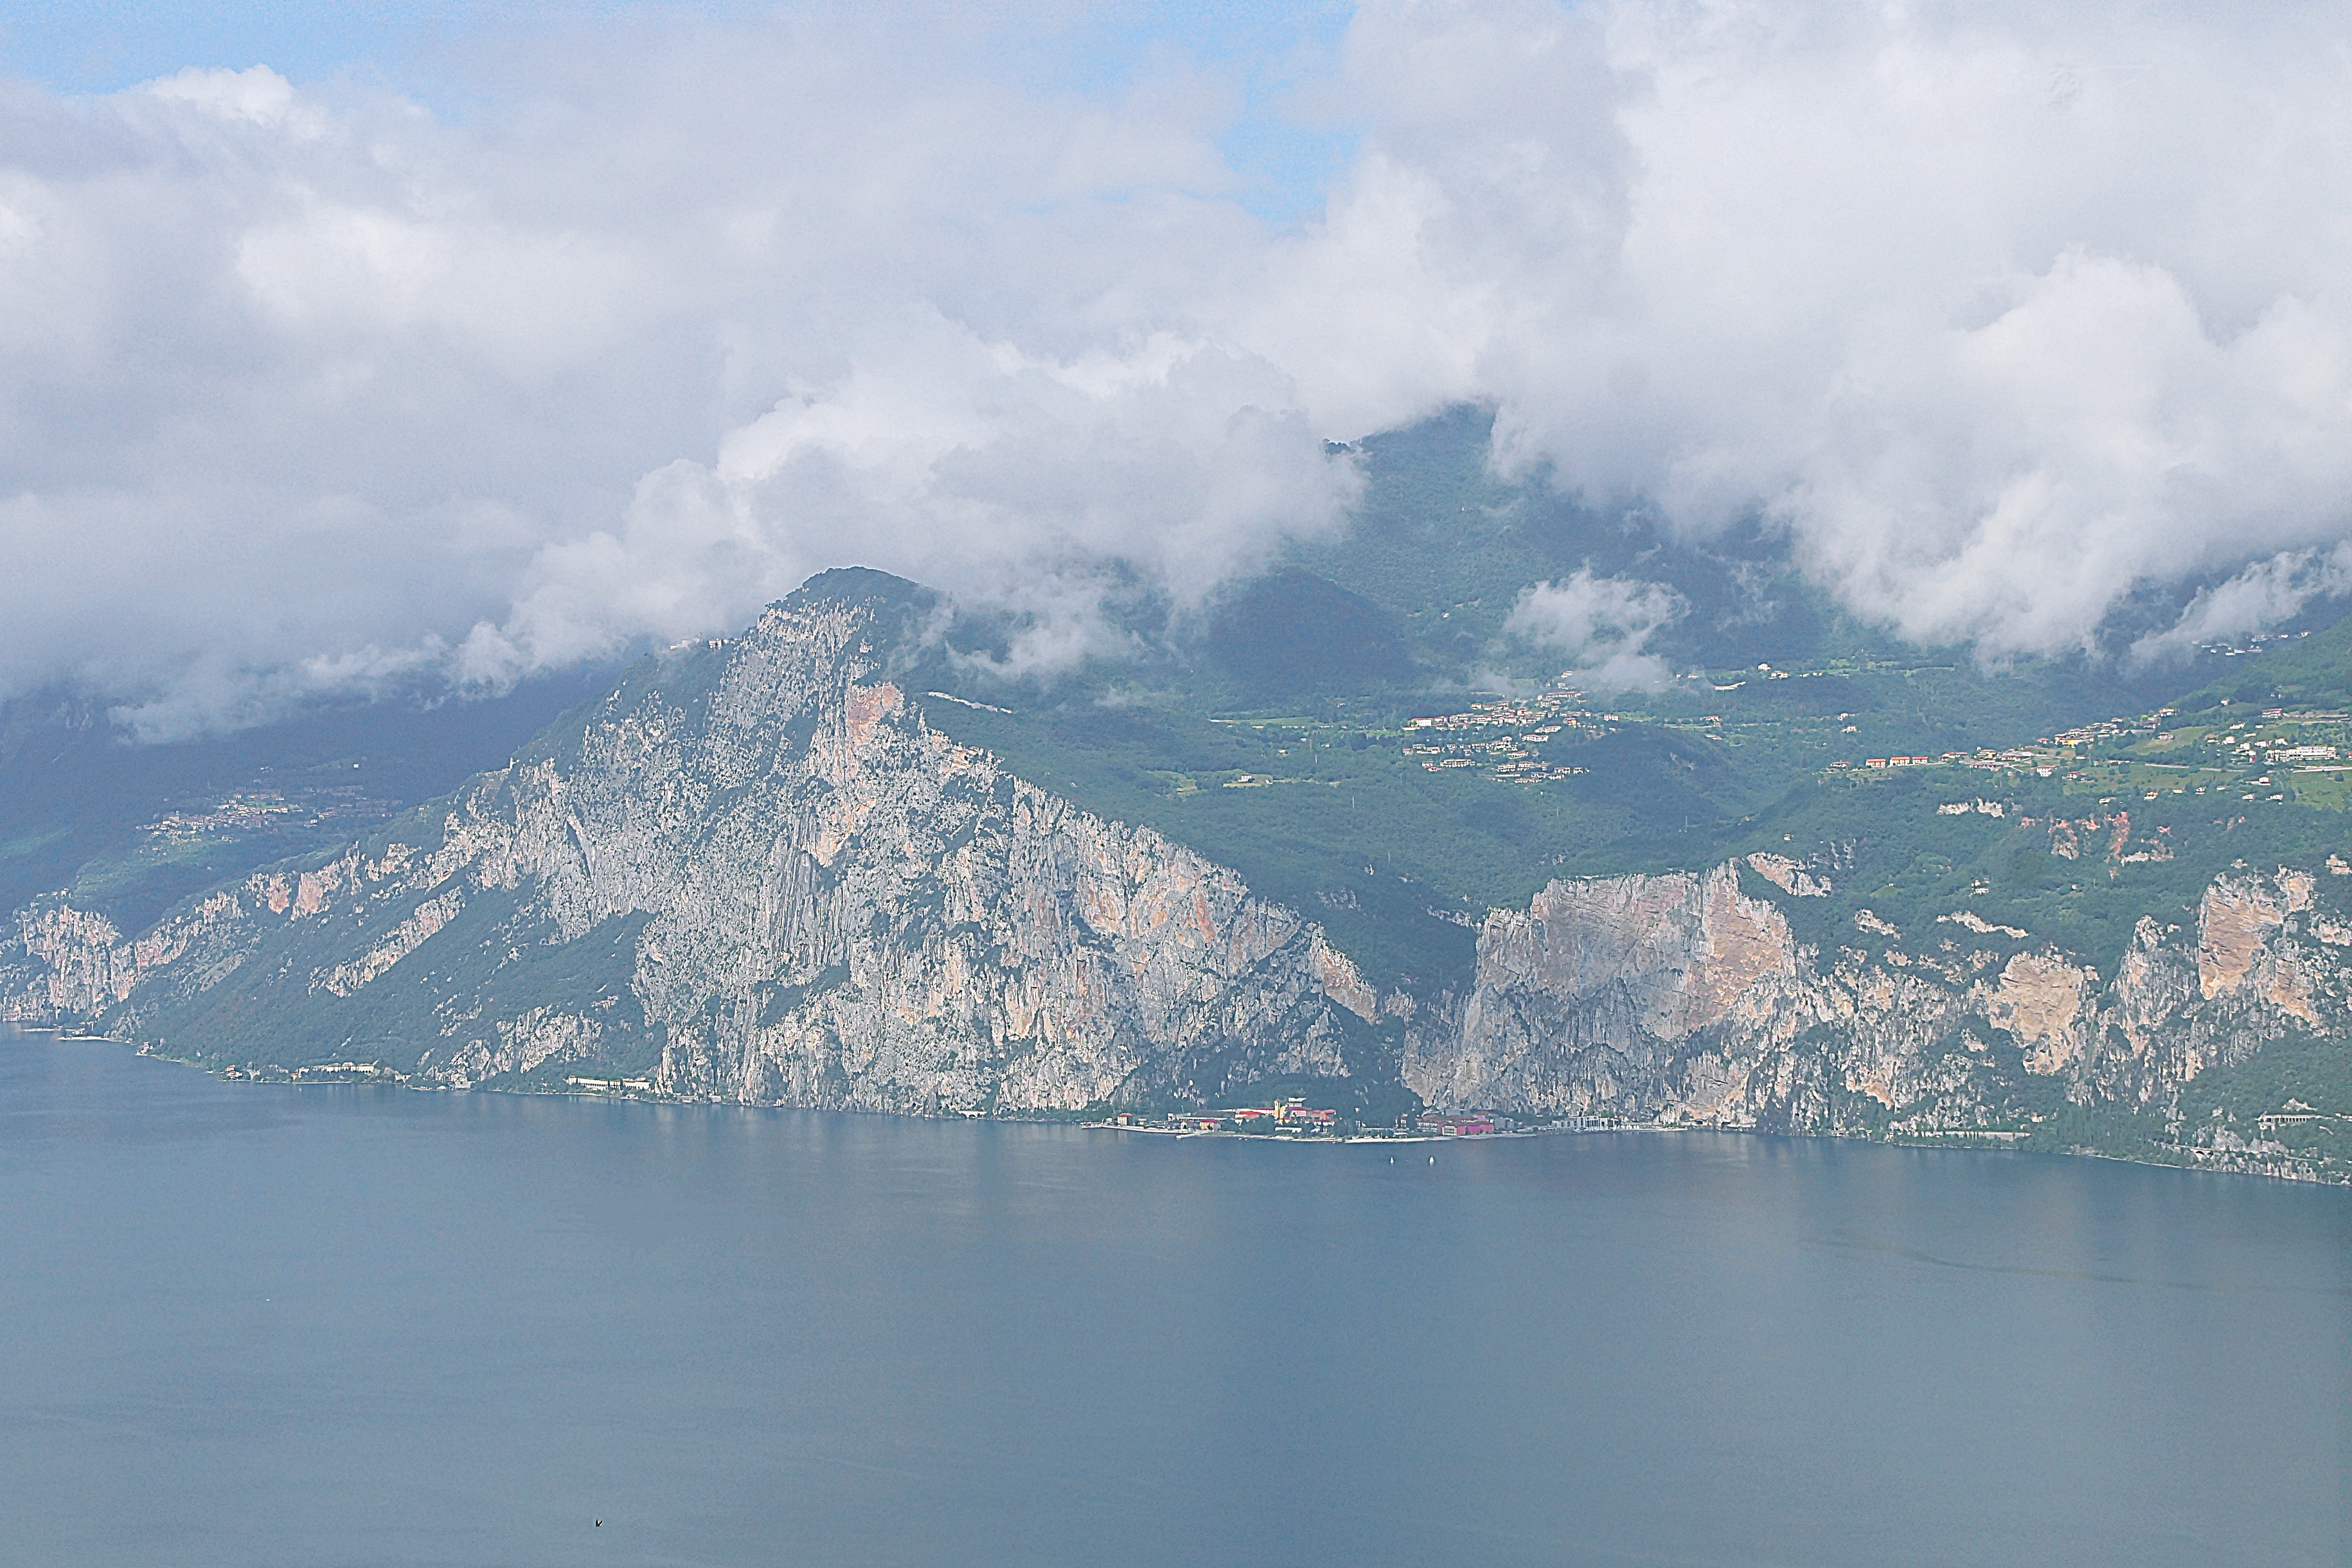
{"x":755,"y":874}
{"x":1681,"y":998}
{"x":1592,"y":999}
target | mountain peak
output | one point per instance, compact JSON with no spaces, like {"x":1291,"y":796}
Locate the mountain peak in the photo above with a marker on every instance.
{"x":862,"y":585}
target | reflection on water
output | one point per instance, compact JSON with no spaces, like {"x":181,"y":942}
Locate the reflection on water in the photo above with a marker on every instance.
{"x":359,"y":1325}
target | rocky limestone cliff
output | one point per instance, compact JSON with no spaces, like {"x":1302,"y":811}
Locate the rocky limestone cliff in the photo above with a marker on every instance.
{"x":1686,"y":999}
{"x":755,"y":873}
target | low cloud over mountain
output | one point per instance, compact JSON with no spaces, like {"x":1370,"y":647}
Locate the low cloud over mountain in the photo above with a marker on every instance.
{"x":2000,"y":318}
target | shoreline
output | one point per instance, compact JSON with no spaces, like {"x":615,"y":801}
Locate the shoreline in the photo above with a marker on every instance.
{"x":1993,"y":1142}
{"x":1295,"y":1138}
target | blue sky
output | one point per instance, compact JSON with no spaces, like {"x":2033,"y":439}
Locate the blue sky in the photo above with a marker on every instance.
{"x":443,"y":53}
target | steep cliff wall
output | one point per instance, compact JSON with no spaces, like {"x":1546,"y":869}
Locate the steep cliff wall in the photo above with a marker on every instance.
{"x":1685,"y":999}
{"x":755,"y":873}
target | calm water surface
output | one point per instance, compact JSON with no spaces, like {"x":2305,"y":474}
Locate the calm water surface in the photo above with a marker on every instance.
{"x":268,"y":1325}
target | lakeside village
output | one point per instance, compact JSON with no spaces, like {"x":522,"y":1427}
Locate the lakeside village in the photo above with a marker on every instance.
{"x":1296,"y":1118}
{"x":1286,"y":1119}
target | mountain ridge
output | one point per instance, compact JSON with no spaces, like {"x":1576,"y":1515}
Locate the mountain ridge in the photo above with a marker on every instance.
{"x":803,"y":892}
{"x":756,"y":871}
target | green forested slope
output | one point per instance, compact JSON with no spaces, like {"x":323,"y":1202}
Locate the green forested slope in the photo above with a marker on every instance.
{"x":1258,"y":746}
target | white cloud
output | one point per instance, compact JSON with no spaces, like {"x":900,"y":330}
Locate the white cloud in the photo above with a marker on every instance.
{"x":2264,"y":594}
{"x":304,"y":386}
{"x":1603,"y":626}
{"x":2001,"y":313}
{"x":962,"y":463}
{"x":256,"y":96}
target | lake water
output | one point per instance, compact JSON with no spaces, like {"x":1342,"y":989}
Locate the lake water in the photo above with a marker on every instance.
{"x":260,"y":1325}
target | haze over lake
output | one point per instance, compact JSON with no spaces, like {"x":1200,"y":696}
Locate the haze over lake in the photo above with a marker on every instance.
{"x":261,"y":1324}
